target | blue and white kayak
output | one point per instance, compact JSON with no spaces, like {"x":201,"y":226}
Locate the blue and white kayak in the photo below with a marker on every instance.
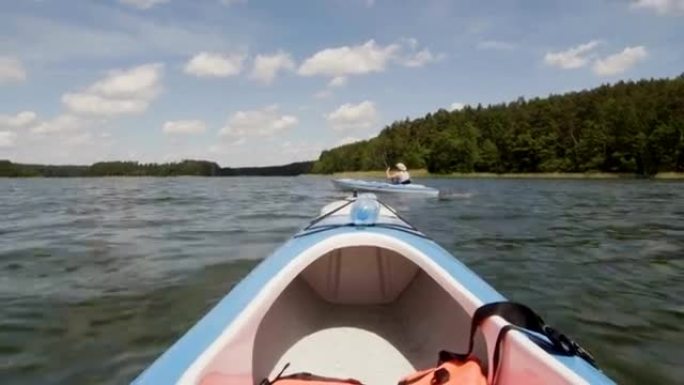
{"x":383,"y":187}
{"x":359,"y":293}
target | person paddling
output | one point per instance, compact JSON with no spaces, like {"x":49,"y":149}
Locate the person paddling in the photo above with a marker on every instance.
{"x":399,"y":177}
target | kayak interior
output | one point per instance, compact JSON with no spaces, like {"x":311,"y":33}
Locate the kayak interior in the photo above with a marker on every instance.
{"x":360,"y":312}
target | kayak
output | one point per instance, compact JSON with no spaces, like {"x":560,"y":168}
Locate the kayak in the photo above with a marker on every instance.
{"x":383,"y":187}
{"x":361,"y":294}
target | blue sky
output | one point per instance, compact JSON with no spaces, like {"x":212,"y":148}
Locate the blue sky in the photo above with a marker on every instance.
{"x":258,"y":82}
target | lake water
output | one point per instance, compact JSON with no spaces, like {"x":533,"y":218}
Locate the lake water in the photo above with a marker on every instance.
{"x":99,"y":276}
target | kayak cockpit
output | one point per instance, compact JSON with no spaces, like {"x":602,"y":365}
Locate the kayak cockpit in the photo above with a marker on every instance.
{"x":372,"y":312}
{"x":362,"y":312}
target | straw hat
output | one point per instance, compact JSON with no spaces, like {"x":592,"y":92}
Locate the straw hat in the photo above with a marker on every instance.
{"x":401,"y":166}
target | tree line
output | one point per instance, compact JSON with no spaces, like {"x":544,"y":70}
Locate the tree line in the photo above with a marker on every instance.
{"x":627,"y":127}
{"x":117,"y":168}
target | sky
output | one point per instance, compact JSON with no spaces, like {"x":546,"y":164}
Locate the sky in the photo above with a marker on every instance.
{"x":266,"y":82}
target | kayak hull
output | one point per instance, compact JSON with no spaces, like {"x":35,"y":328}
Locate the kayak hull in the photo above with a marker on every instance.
{"x":373,"y":303}
{"x":383,"y":187}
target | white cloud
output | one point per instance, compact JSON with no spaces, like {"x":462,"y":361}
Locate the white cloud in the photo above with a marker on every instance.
{"x":619,"y":62}
{"x":184,"y":127}
{"x":353,"y":116}
{"x":355,"y":60}
{"x":410,"y":56}
{"x":419,"y":58}
{"x":347,"y":140}
{"x":266,"y":67}
{"x":140,"y":82}
{"x":366,"y":58}
{"x":267,"y":121}
{"x":21,"y":119}
{"x":410,"y":42}
{"x":338,"y":81}
{"x":143,"y":4}
{"x":121,"y":92}
{"x":60,"y":124}
{"x":208,"y":64}
{"x":7,"y":139}
{"x":572,"y":58}
{"x":11,"y":70}
{"x":84,"y":103}
{"x":661,"y":7}
{"x":495,"y":45}
{"x":65,"y":139}
{"x":456,"y":106}
{"x":50,"y":141}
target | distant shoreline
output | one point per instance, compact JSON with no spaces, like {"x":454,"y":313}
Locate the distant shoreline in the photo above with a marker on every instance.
{"x":136,"y":169}
{"x":210,"y":169}
{"x":422,"y":173}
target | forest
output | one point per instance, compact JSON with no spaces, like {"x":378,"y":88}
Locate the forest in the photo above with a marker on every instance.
{"x":627,"y":127}
{"x":184,"y":168}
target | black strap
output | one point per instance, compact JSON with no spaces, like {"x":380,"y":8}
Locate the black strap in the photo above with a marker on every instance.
{"x":514,"y":313}
{"x":266,"y":381}
{"x":396,"y":214}
{"x":525,"y":320}
{"x":445,"y":356}
{"x":329,"y":213}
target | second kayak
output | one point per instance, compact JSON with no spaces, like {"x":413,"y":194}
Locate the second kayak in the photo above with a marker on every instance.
{"x":383,"y":187}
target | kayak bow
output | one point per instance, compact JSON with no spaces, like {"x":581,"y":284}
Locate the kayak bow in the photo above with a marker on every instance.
{"x":359,"y":293}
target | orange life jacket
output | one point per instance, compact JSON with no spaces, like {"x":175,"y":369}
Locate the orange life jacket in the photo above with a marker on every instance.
{"x":464,"y":369}
{"x":452,"y":372}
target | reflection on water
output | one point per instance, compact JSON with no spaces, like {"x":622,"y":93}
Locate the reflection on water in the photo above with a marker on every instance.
{"x":99,"y":276}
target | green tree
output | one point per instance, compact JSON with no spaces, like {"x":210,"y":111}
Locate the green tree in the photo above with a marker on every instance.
{"x":625,"y":127}
{"x":489,"y":157}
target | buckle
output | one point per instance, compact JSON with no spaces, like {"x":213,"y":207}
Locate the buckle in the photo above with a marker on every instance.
{"x":440,"y":376}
